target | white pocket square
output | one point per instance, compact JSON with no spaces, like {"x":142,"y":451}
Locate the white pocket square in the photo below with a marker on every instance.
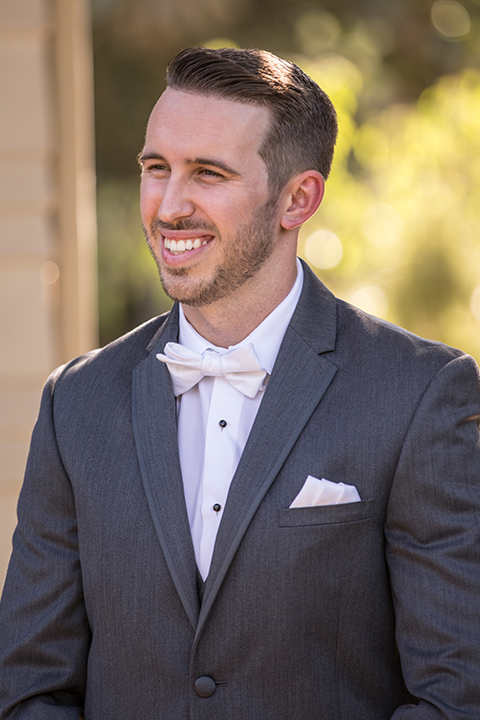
{"x":324,"y":492}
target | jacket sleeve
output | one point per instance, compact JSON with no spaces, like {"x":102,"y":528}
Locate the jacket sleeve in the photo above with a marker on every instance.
{"x":433,"y":549}
{"x":44,"y":631}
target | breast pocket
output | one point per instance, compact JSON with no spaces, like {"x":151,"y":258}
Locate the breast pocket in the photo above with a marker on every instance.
{"x":326,"y":514}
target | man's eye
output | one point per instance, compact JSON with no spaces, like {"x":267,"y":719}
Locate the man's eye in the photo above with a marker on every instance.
{"x":210,"y":173}
{"x":158,"y":167}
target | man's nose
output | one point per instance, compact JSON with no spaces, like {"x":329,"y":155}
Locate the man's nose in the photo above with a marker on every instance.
{"x":176,"y":202}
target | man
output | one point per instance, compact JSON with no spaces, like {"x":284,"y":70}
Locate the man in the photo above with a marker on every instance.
{"x":265,"y":504}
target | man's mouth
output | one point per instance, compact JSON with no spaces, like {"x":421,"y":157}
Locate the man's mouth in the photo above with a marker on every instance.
{"x":177,"y":247}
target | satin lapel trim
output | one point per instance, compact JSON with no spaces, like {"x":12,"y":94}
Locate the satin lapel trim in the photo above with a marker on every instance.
{"x":295,"y":388}
{"x":155,"y":430}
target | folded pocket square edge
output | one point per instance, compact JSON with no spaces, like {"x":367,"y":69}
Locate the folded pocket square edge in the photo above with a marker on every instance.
{"x":320,"y":491}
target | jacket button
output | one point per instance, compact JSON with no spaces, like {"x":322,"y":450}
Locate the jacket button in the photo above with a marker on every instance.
{"x":204,"y":686}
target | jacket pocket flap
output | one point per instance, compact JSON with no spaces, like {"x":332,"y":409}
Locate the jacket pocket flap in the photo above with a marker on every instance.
{"x":326,"y":514}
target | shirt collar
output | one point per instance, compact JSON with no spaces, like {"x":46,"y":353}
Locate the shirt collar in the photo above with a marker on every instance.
{"x":266,"y":337}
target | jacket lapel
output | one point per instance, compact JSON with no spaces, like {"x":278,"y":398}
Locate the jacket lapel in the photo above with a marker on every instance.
{"x":155,"y":430}
{"x":299,"y":380}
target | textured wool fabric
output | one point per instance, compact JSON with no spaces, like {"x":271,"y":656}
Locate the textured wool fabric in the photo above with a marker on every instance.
{"x":358,"y":611}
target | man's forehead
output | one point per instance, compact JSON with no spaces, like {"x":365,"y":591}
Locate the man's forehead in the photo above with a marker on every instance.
{"x":202,"y":110}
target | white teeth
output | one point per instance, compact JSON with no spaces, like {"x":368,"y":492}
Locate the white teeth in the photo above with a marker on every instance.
{"x":180,"y":246}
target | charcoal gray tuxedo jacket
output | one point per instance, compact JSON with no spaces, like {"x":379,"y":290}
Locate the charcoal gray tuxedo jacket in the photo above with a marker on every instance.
{"x":362,"y":611}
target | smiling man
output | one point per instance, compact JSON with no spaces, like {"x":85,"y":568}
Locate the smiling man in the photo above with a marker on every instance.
{"x":209,"y":218}
{"x":263,"y":505}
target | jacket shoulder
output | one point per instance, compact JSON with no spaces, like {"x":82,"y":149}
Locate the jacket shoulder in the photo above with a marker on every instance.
{"x":381,"y":338}
{"x":112,"y":361}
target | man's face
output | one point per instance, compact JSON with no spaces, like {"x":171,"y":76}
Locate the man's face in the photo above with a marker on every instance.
{"x":205,"y":204}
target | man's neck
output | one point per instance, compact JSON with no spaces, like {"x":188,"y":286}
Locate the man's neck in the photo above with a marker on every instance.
{"x":232,"y":319}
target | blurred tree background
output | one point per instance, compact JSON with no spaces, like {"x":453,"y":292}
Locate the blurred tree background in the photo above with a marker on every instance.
{"x":398,"y":233}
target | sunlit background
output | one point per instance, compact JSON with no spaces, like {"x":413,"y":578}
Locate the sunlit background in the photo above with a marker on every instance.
{"x":398,"y":233}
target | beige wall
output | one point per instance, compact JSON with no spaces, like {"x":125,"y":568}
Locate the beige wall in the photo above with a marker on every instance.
{"x":47,"y":217}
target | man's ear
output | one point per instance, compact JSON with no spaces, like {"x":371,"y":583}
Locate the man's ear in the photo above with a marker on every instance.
{"x":304,"y":195}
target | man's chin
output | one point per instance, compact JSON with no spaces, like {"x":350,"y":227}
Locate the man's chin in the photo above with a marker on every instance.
{"x":198,"y":299}
{"x":190,"y":293}
{"x":179,"y":292}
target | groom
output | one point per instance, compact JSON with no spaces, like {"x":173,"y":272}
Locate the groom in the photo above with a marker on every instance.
{"x":265,"y":504}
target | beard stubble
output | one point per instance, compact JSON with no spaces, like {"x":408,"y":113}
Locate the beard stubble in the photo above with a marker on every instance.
{"x":244,"y":254}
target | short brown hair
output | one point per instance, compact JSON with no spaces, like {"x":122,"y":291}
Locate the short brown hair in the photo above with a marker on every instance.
{"x":303,"y":130}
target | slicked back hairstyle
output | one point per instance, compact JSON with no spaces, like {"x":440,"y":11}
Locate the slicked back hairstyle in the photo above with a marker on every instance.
{"x":303,"y":126}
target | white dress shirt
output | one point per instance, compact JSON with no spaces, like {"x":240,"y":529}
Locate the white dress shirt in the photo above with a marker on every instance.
{"x":214,"y":422}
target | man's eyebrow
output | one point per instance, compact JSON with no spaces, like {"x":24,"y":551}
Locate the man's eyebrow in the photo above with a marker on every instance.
{"x":141,"y":157}
{"x":213,"y":162}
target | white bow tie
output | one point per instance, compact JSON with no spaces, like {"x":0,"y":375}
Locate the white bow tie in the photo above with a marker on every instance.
{"x":240,"y":367}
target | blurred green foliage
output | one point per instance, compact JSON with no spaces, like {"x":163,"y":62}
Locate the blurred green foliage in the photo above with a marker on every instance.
{"x":407,"y":215}
{"x":398,"y":231}
{"x":130,"y":291}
